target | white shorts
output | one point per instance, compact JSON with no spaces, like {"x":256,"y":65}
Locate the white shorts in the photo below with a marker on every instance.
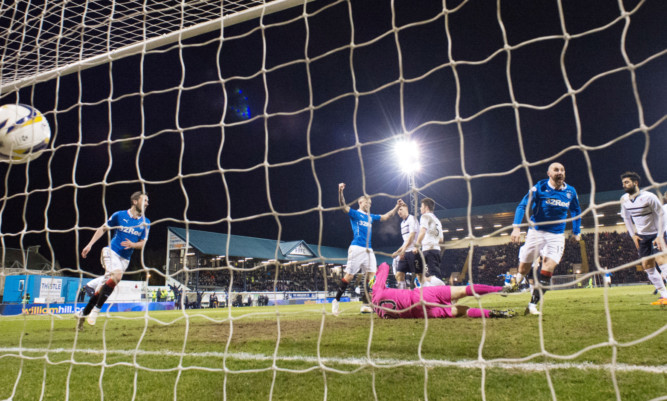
{"x":112,"y":262}
{"x":360,"y":259}
{"x":547,"y":244}
{"x":394,"y":264}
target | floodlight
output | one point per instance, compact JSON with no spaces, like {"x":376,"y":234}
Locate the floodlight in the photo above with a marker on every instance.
{"x":407,"y":154}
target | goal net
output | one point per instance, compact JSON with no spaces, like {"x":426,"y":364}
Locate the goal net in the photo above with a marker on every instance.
{"x":242,"y":117}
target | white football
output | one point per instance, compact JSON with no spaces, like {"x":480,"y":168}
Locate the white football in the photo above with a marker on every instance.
{"x":24,"y":133}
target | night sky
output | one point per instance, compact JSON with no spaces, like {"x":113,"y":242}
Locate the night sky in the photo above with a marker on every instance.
{"x":225,"y":148}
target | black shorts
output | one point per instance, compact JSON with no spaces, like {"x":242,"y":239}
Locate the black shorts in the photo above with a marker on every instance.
{"x":432,"y":259}
{"x":408,"y":263}
{"x":646,"y":245}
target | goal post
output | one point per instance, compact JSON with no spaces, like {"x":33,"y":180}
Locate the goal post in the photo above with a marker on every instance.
{"x":182,"y":20}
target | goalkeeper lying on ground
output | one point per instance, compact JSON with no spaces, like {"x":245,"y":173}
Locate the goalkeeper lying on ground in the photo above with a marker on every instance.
{"x":391,"y":303}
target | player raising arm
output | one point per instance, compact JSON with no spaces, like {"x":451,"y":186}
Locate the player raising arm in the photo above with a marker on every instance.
{"x":360,"y":256}
{"x":131,"y":233}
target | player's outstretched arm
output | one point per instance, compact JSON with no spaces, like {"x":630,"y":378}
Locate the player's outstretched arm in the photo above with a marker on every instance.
{"x":98,"y":234}
{"x":393,"y":211}
{"x":341,"y":198}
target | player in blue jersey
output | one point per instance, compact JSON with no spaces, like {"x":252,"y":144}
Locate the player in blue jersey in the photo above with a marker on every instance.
{"x":360,"y":256}
{"x":131,"y":232}
{"x":507,"y":277}
{"x":550,"y":200}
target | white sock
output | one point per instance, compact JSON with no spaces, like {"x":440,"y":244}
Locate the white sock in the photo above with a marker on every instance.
{"x":656,"y":279}
{"x":663,"y":268}
{"x":518,"y":278}
{"x":402,"y":285}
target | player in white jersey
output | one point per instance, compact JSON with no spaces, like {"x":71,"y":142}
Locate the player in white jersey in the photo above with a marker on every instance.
{"x":642,"y":214}
{"x":662,"y":259}
{"x":360,"y":256}
{"x":406,"y":257}
{"x":428,"y":242}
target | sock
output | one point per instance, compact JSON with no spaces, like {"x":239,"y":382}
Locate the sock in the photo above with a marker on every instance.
{"x":91,"y":302}
{"x":475,"y":312}
{"x":402,"y":285}
{"x":367,"y":295}
{"x":656,"y":279}
{"x":104,"y":292}
{"x":482,"y":289}
{"x":535,"y":298}
{"x":544,"y":278}
{"x":341,"y":289}
{"x":663,"y":269}
{"x":519,"y":277}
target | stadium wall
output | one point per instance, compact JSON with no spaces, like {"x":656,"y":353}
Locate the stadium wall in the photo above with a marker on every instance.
{"x":69,"y":308}
{"x":59,"y":290}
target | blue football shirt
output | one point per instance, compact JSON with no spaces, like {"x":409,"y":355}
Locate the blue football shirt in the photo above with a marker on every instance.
{"x":362,"y":225}
{"x":550,"y":204}
{"x":127,"y":227}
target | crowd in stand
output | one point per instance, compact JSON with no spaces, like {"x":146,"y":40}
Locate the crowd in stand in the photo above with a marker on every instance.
{"x":488,"y":262}
{"x":615,"y":249}
{"x":263,"y":278}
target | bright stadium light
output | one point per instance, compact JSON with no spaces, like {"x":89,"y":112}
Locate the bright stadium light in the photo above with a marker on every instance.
{"x":407,"y":154}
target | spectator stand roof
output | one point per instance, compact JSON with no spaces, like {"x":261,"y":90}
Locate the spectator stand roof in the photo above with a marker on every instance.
{"x":212,"y":243}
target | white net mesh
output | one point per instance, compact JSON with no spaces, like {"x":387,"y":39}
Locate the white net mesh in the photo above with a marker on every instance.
{"x":243,"y":120}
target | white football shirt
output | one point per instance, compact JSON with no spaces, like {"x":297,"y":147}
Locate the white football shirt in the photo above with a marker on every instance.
{"x":409,"y":225}
{"x":433,"y":234}
{"x":644,"y":212}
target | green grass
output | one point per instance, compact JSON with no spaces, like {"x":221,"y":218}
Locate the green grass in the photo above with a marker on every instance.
{"x":302,"y":353}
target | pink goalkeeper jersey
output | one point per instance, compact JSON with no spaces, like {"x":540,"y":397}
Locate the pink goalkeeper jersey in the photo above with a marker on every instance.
{"x":397,"y":300}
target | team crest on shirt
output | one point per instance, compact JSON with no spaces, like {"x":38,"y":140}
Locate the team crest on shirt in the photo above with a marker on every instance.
{"x":569,"y":195}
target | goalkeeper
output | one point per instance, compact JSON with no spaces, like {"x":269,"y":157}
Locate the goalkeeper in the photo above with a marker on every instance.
{"x":391,"y":303}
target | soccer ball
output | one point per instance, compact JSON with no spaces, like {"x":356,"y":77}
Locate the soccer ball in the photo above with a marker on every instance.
{"x":24,"y":133}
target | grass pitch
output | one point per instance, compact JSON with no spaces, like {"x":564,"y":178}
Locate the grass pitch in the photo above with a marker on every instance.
{"x":577,"y":350}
